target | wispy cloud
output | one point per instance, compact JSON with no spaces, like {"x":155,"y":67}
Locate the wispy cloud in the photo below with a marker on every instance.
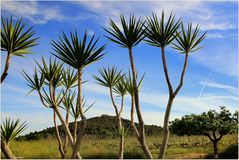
{"x":219,"y":86}
{"x":33,"y":11}
{"x":214,"y":35}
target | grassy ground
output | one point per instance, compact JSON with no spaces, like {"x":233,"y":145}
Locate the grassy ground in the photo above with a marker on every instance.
{"x":180,"y":147}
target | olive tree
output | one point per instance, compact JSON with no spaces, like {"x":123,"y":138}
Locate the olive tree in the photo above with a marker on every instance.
{"x":212,"y":124}
{"x":161,"y":34}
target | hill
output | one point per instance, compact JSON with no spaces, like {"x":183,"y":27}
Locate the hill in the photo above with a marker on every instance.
{"x":100,"y":127}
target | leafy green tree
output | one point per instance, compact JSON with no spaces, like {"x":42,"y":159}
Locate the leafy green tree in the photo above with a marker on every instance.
{"x":16,"y":39}
{"x":112,"y":78}
{"x":212,"y":124}
{"x":161,"y":34}
{"x":78,"y":54}
{"x":131,"y":35}
{"x":10,"y":129}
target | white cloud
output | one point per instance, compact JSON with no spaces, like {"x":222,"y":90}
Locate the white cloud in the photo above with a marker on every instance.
{"x":33,"y":11}
{"x":219,"y":86}
{"x":214,"y":35}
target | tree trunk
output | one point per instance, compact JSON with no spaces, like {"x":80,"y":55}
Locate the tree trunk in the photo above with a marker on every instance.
{"x":144,"y":146}
{"x":215,"y":149}
{"x":132,"y":118}
{"x":6,"y":150}
{"x":166,"y":129}
{"x":172,"y":95}
{"x":67,"y":131}
{"x":7,"y":63}
{"x":58,"y":136}
{"x":75,"y":130}
{"x":121,"y":148}
{"x":66,"y":137}
{"x":83,"y":118}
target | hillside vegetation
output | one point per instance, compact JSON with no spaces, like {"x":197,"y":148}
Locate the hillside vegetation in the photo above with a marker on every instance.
{"x":99,"y":127}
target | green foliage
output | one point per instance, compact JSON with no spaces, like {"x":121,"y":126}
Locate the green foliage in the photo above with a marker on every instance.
{"x":120,"y":88}
{"x":100,"y":127}
{"x":10,"y":129}
{"x":109,"y":77}
{"x":15,"y":38}
{"x":130,"y":36}
{"x":189,"y":39}
{"x":161,"y":34}
{"x":128,"y":83}
{"x":77,"y":53}
{"x":221,"y":123}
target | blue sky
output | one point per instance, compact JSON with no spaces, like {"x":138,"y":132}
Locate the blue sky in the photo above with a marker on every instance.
{"x":210,"y":81}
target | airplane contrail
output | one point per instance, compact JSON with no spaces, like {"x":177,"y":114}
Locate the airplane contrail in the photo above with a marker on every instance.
{"x":204,"y":85}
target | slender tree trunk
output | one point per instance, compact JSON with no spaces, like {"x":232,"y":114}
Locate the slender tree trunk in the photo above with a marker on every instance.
{"x":144,"y":146}
{"x":215,"y":149}
{"x":58,"y":136}
{"x":6,"y":150}
{"x":66,"y":137}
{"x":172,"y":95}
{"x":121,"y":148}
{"x":67,"y":131}
{"x":7,"y":63}
{"x":75,"y":129}
{"x":83,"y":118}
{"x":132,"y":118}
{"x":166,"y":128}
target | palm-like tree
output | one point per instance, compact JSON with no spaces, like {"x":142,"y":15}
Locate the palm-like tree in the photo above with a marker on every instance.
{"x":130,"y":36}
{"x":52,"y":77}
{"x":10,"y":129}
{"x":112,"y":78}
{"x":161,"y":34}
{"x":16,"y":39}
{"x":78,"y":54}
{"x":128,"y":83}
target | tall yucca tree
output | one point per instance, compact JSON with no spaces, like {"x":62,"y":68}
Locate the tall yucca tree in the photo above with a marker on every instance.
{"x":128,"y":83}
{"x":10,"y":129}
{"x":54,"y":77}
{"x":78,"y":54}
{"x":131,"y":35}
{"x":161,"y":34}
{"x":16,"y":39}
{"x":112,"y":78}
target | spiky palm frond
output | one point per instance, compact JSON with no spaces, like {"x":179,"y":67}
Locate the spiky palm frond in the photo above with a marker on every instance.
{"x":69,"y":101}
{"x":15,"y":38}
{"x":120,"y":88}
{"x":128,"y":83}
{"x":69,"y":78}
{"x":109,"y":77}
{"x":52,"y":72}
{"x":10,"y":129}
{"x":36,"y":82}
{"x":77,"y":53}
{"x":158,"y":33}
{"x":131,"y":35}
{"x":189,"y":39}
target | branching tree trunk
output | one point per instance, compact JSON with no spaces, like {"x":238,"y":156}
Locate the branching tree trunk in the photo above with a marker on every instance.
{"x":7,"y":63}
{"x":83,"y":118}
{"x":6,"y":150}
{"x":66,"y":137}
{"x":75,"y":129}
{"x":138,"y":109}
{"x":172,"y":95}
